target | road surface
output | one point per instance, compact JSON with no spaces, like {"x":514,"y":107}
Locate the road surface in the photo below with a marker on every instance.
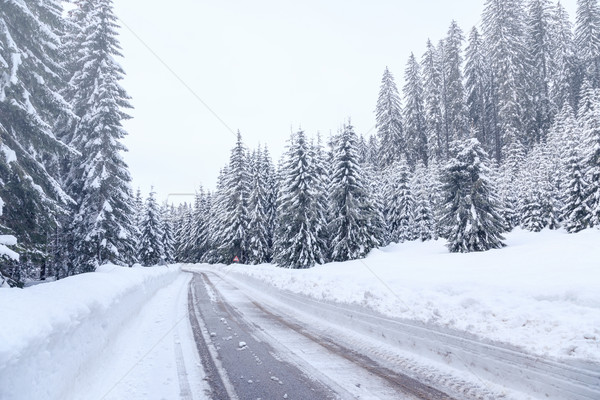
{"x":261,"y":343}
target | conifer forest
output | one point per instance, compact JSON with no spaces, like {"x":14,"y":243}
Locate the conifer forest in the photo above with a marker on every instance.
{"x":492,"y":128}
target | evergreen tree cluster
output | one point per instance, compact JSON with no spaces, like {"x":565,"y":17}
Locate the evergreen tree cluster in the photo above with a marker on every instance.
{"x":63,"y":182}
{"x":525,"y":84}
{"x":495,"y":129}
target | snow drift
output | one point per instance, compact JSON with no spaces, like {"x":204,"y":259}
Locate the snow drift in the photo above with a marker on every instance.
{"x":50,"y":332}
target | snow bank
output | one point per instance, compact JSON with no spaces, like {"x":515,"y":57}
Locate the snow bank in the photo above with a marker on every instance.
{"x":50,"y":332}
{"x":541,"y":293}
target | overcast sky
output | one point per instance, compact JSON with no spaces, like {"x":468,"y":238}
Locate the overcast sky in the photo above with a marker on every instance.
{"x":263,"y":67}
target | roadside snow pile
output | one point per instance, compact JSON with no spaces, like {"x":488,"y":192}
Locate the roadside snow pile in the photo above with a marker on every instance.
{"x":50,"y":332}
{"x":541,"y":293}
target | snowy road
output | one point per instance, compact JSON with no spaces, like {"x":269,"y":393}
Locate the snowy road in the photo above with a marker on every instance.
{"x":260,"y":353}
{"x":264,"y":346}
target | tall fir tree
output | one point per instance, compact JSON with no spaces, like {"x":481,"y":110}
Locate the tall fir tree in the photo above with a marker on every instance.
{"x":259,"y":251}
{"x":471,"y":210}
{"x":590,"y":122}
{"x":30,"y":103}
{"x":352,"y":228}
{"x":505,"y":41}
{"x":575,"y":212}
{"x":297,"y":241}
{"x":235,"y":237}
{"x":423,"y":216}
{"x":587,"y":40}
{"x":168,"y":234}
{"x":151,"y":250}
{"x":563,"y":80}
{"x":400,"y":203}
{"x":99,"y":180}
{"x":414,"y":113}
{"x":389,"y":121}
{"x":540,"y":46}
{"x":432,"y":93}
{"x":477,"y":88}
{"x":454,"y":105}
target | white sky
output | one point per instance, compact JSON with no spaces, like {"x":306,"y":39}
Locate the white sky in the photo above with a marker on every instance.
{"x":264,"y":67}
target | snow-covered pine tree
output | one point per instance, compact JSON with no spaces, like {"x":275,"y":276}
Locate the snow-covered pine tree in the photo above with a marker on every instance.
{"x":540,"y":46}
{"x":168,"y":235}
{"x":138,"y":208}
{"x":259,"y":250}
{"x":477,"y":88}
{"x":564,"y":130}
{"x":454,"y":98}
{"x":353,"y":226}
{"x":8,"y":256}
{"x":183,"y":232}
{"x":373,"y":152}
{"x":321,"y":189}
{"x":216,"y":221}
{"x":504,"y":38}
{"x":535,"y":213}
{"x":195,"y":244}
{"x":423,"y":217}
{"x":575,"y":212}
{"x":414,"y":113}
{"x":389,"y":121}
{"x":399,"y":203}
{"x":587,"y":39}
{"x":591,"y":139}
{"x":297,"y":241}
{"x":30,"y":75}
{"x":151,"y":249}
{"x":471,"y":209}
{"x":271,"y":198}
{"x":432,"y":93}
{"x":99,"y":179}
{"x":234,"y":240}
{"x":563,"y":80}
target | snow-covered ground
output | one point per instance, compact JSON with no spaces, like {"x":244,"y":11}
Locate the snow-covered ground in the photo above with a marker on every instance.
{"x":113,"y":334}
{"x":541,"y":293}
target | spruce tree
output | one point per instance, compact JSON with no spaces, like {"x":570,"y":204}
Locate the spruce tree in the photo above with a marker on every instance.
{"x":414,"y":113}
{"x":168,"y":234}
{"x":540,"y":48}
{"x":259,"y":247}
{"x":454,"y":104}
{"x":99,"y":179}
{"x":591,"y":139}
{"x":7,"y":254}
{"x":389,"y":121}
{"x":235,"y":239}
{"x":272,"y":185}
{"x":576,"y":211}
{"x":182,"y":234}
{"x":353,"y":227}
{"x":423,"y":216}
{"x":432,"y":93}
{"x":151,"y":250}
{"x":30,"y":76}
{"x":297,"y":240}
{"x":563,"y":81}
{"x":471,"y":208}
{"x":322,"y":188}
{"x":587,"y":39}
{"x":400,"y":203}
{"x":505,"y":41}
{"x":477,"y":88}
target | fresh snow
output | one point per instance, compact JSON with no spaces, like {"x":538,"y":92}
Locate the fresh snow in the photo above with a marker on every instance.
{"x":541,"y":293}
{"x":111,"y":334}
